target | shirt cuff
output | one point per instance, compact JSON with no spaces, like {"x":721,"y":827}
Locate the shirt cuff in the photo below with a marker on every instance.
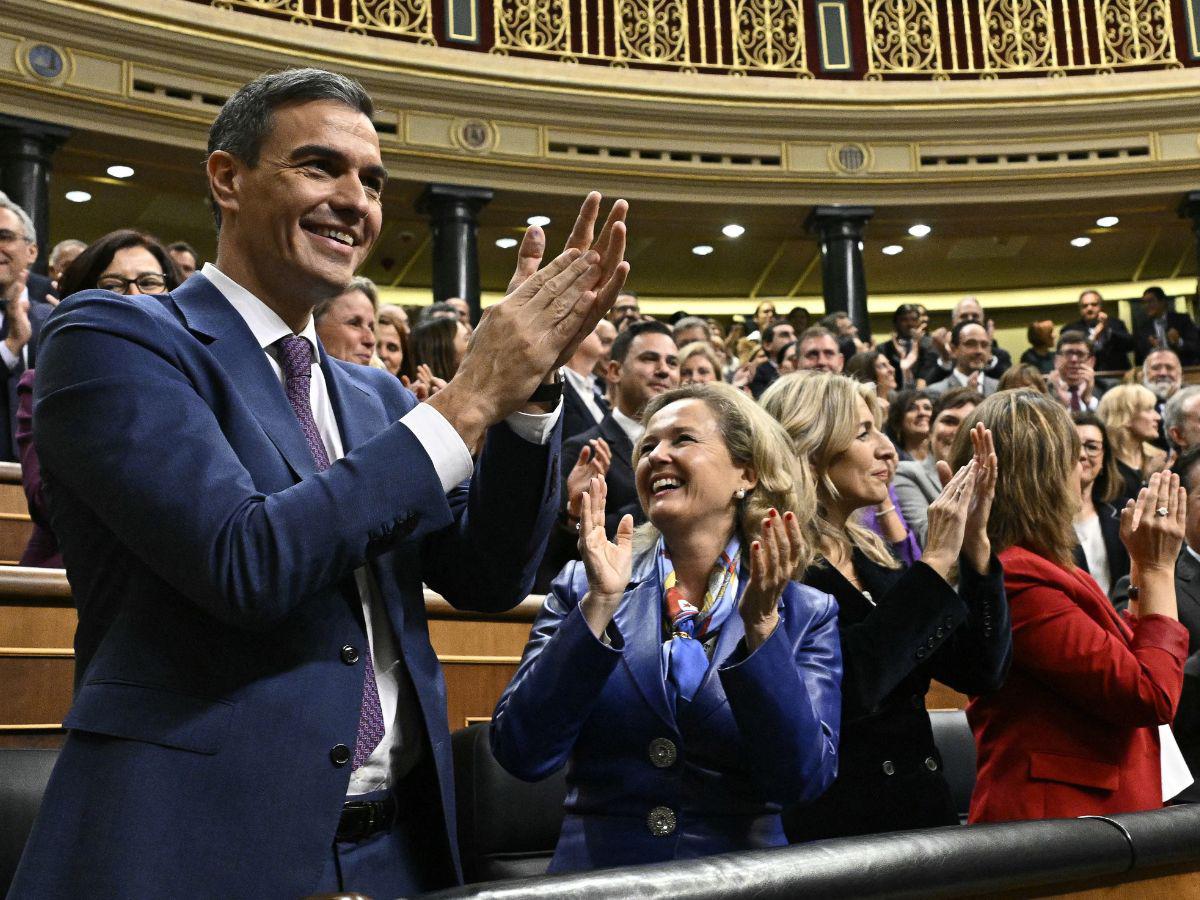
{"x":9,"y":358}
{"x":450,"y":457}
{"x":535,"y":427}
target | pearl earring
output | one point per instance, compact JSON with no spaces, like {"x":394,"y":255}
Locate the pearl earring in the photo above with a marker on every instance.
{"x":740,"y":493}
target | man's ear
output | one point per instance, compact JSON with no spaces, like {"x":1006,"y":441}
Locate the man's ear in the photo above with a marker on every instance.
{"x":613,"y":373}
{"x":33,"y":252}
{"x":224,"y":180}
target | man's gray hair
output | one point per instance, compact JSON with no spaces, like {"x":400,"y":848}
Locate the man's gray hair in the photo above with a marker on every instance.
{"x":689,"y":322}
{"x":26,"y":220}
{"x":1173,"y":412}
{"x":1157,"y":350}
{"x":246,"y":119}
{"x":65,"y":247}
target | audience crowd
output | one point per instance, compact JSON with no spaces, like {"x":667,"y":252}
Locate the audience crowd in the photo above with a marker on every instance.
{"x":881,"y":516}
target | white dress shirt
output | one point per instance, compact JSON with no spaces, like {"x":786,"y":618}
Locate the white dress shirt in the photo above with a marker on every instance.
{"x":585,"y":387}
{"x":632,"y":427}
{"x":400,"y":748}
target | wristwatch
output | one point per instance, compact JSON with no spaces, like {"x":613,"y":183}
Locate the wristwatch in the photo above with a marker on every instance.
{"x":548,"y":393}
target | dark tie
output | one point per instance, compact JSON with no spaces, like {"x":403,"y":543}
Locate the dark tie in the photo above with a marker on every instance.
{"x":296,"y":359}
{"x":1076,"y":403}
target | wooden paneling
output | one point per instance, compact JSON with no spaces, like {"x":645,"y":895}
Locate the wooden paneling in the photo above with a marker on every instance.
{"x":15,"y":524}
{"x":37,"y":626}
{"x":942,"y":697}
{"x":472,"y":690}
{"x":37,"y":688}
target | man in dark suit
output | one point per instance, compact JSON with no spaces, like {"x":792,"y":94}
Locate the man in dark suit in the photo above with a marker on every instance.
{"x":583,"y":398}
{"x":24,"y":309}
{"x":247,"y":524}
{"x":967,"y":309}
{"x":908,"y":336}
{"x":1160,"y":328}
{"x":775,"y":337}
{"x":643,"y":365}
{"x":1111,"y":340}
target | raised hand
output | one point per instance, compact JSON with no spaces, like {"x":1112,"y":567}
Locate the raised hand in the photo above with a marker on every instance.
{"x":774,"y":558}
{"x":594,"y":460}
{"x":1153,"y":539}
{"x":608,"y":563}
{"x":16,"y":310}
{"x":976,"y":546}
{"x":432,"y":383}
{"x":948,"y":518}
{"x":520,"y":341}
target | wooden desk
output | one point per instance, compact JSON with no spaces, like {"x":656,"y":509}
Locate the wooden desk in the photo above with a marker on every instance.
{"x":15,"y":524}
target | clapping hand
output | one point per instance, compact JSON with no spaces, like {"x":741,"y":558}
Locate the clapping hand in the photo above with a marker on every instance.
{"x":976,"y":545}
{"x":594,"y":460}
{"x":1153,"y":539}
{"x":608,"y":563}
{"x":16,"y":309}
{"x":774,"y":558}
{"x":948,"y":515}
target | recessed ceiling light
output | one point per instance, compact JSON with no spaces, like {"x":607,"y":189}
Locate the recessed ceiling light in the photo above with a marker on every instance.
{"x":78,"y":196}
{"x":1080,"y":241}
{"x":1107,"y":221}
{"x":893,"y":249}
{"x":702,"y":249}
{"x":120,"y":171}
{"x":506,"y":243}
{"x":733,"y":231}
{"x":919,"y":230}
{"x":539,"y":221}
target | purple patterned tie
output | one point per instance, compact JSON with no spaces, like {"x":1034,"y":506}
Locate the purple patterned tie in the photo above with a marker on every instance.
{"x":296,"y":359}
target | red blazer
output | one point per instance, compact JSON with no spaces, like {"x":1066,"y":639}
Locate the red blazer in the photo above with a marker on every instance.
{"x":1074,"y":730}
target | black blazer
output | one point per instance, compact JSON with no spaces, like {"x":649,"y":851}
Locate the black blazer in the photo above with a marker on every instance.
{"x":1118,"y":556}
{"x":1112,"y":349}
{"x":1189,"y":348}
{"x":889,"y":770}
{"x":927,"y":359}
{"x":764,"y":376}
{"x":577,"y":418}
{"x":622,"y":497}
{"x":1001,"y":363}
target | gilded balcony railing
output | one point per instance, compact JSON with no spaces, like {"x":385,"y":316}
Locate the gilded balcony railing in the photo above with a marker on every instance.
{"x":737,"y":36}
{"x":391,"y":18}
{"x":990,"y":38}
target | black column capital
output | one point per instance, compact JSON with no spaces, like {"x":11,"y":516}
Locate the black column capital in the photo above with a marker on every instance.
{"x":843,"y":281}
{"x":26,"y":149}
{"x":453,"y":211}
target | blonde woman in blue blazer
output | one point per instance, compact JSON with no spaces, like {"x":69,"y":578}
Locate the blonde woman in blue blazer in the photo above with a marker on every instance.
{"x":690,"y":687}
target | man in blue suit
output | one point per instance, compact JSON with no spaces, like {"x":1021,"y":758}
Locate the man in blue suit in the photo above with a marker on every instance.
{"x":247,"y":524}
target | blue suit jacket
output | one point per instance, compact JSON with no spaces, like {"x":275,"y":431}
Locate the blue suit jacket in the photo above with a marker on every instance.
{"x":761,"y":731}
{"x":212,"y":568}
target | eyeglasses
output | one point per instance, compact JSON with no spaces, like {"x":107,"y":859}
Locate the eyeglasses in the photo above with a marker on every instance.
{"x":147,"y":283}
{"x":11,"y":237}
{"x":1093,"y":448}
{"x":1074,"y":354}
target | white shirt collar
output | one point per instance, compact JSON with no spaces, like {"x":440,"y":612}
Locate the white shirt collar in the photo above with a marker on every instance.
{"x":632,"y":428}
{"x":263,"y":321}
{"x":581,"y":383}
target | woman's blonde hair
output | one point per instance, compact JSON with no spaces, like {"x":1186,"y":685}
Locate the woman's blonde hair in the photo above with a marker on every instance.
{"x":755,"y":440}
{"x":1037,"y":449}
{"x":701,"y":348}
{"x":819,"y":411}
{"x":1116,"y":410}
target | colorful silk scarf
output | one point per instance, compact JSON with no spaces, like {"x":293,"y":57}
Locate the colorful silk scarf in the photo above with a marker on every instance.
{"x":684,"y":659}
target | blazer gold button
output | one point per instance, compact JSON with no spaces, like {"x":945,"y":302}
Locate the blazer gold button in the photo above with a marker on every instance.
{"x":931,"y":764}
{"x":888,"y":767}
{"x":339,"y":755}
{"x":349,"y":655}
{"x":663,"y":753}
{"x":661,"y":821}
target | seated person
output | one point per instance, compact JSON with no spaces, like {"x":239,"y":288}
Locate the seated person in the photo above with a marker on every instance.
{"x":1073,"y":382}
{"x":900,"y":625}
{"x":346,"y":324}
{"x":917,"y":483}
{"x":971,"y":347}
{"x":1074,"y":731}
{"x":1100,"y":552}
{"x":689,"y":686}
{"x":1130,"y":416}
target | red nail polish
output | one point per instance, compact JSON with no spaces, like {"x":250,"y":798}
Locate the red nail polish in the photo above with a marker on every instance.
{"x":766,"y":525}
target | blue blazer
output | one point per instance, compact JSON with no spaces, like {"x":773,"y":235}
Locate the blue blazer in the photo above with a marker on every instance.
{"x":761,"y":731}
{"x":212,"y":568}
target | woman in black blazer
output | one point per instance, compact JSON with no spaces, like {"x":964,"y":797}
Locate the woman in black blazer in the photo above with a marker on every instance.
{"x":1098,"y":523}
{"x":899,"y":627}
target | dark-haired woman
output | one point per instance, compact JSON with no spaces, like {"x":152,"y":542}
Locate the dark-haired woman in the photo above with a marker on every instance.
{"x":1098,"y":523}
{"x":908,"y":421}
{"x":437,"y":347}
{"x":124,"y":262}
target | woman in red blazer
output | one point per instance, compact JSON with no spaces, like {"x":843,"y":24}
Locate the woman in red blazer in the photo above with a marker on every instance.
{"x":1074,"y":730}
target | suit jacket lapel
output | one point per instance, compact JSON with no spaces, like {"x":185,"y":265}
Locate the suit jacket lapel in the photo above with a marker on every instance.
{"x":357,"y":416}
{"x":618,"y":440}
{"x":640,"y":622}
{"x":210,"y":316}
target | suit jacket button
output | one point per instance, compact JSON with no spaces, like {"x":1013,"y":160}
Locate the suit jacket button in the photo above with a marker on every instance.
{"x":349,"y":655}
{"x":339,"y":755}
{"x":663,"y":753}
{"x":889,"y":768}
{"x":661,"y":821}
{"x":941,"y":632}
{"x":931,"y":764}
{"x":920,"y":653}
